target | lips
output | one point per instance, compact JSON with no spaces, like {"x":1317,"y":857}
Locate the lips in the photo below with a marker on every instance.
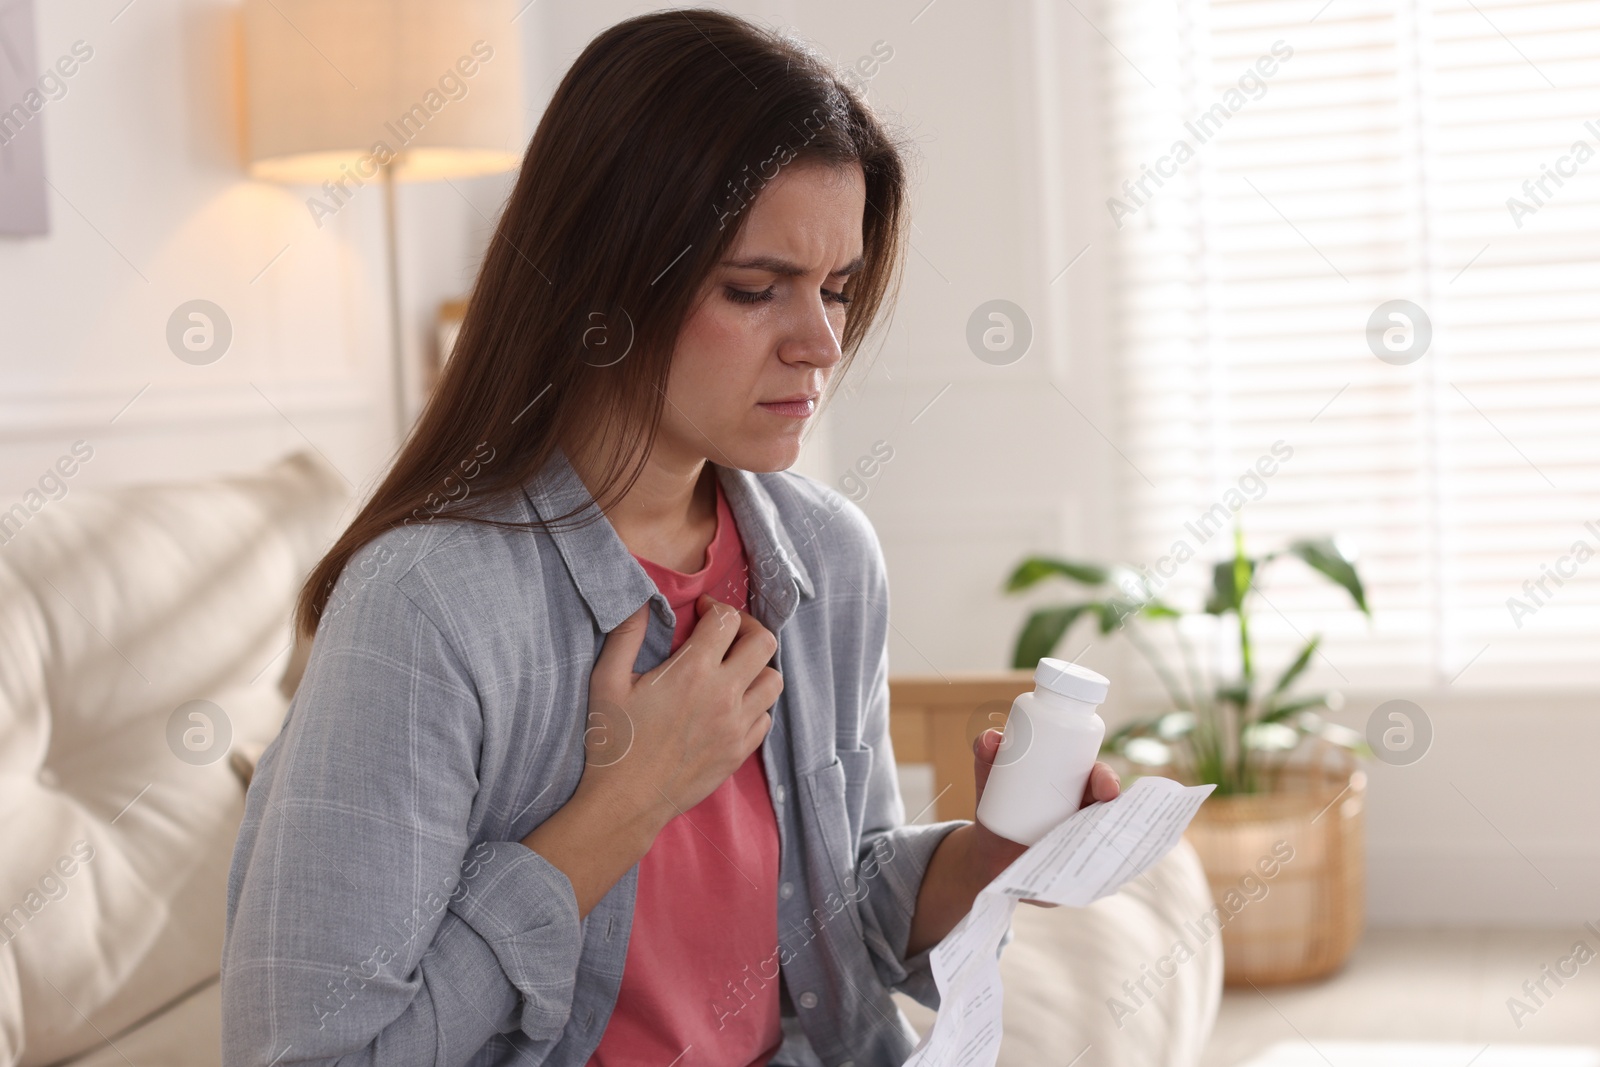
{"x":799,"y":406}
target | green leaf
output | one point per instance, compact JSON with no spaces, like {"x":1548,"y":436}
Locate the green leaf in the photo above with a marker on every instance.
{"x":1298,"y":667}
{"x":1115,"y":612}
{"x":1044,"y":630}
{"x":1325,"y":557}
{"x":1036,"y":569}
{"x":1224,"y":596}
{"x":1237,"y":695}
{"x":1154,"y":609}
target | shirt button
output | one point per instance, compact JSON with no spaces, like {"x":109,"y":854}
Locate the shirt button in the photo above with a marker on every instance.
{"x":808,"y":1000}
{"x":786,"y":890}
{"x":779,"y":791}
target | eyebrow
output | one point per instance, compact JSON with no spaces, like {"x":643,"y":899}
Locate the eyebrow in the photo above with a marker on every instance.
{"x":775,"y":265}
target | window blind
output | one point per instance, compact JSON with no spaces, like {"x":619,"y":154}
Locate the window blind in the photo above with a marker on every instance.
{"x":1281,"y":173}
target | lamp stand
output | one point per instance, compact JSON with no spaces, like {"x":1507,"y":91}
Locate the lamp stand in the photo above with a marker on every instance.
{"x":397,"y":363}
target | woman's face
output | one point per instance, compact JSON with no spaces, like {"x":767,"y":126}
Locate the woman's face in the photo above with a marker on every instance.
{"x":755,"y":354}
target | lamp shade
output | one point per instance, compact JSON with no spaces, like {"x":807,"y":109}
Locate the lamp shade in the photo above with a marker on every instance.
{"x":339,"y":87}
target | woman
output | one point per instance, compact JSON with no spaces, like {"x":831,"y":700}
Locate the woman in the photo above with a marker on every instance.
{"x":590,"y":760}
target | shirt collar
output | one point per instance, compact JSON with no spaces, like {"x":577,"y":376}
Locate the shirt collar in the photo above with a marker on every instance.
{"x":612,"y":583}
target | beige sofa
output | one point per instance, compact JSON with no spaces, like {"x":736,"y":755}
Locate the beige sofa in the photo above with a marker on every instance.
{"x":144,"y":635}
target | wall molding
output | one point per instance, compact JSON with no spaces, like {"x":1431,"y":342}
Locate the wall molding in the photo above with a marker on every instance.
{"x":162,"y":408}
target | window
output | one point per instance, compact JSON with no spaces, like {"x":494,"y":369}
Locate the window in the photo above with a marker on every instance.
{"x":1285,"y":171}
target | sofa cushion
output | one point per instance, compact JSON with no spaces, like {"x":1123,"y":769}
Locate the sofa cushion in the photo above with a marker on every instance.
{"x":185,"y":1034}
{"x":1064,"y":969}
{"x":142,"y":633}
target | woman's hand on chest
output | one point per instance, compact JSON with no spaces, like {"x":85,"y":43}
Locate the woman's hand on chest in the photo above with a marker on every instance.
{"x":662,"y":741}
{"x":656,"y":744}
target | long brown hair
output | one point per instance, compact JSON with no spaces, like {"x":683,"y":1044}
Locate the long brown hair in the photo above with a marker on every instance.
{"x":634,"y":186}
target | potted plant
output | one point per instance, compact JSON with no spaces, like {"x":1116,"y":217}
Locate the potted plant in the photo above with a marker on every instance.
{"x":1281,"y":836}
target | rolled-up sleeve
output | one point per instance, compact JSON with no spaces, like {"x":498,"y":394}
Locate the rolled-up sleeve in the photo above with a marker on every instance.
{"x":364,"y":925}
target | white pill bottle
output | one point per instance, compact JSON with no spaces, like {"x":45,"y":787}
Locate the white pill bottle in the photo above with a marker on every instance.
{"x":1052,"y":737}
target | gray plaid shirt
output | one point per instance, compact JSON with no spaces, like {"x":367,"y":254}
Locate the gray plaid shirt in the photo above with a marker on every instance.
{"x":381,"y":908}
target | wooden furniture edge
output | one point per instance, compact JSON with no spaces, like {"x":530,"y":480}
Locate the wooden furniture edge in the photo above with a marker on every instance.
{"x":934,"y":718}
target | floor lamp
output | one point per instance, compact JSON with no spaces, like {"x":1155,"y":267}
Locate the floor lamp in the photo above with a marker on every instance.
{"x":343,"y":95}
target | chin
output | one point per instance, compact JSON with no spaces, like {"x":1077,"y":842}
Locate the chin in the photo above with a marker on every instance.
{"x":765,"y":457}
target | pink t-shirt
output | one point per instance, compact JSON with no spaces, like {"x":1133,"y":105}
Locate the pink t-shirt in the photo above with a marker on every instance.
{"x":700,"y":983}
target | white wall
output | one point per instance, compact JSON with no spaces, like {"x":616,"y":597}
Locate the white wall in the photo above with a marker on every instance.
{"x":152,"y":210}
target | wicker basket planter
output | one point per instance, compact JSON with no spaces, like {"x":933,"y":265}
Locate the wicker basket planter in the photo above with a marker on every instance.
{"x":1287,"y":870}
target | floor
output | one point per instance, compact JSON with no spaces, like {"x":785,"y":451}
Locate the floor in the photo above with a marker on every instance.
{"x":1428,"y":985}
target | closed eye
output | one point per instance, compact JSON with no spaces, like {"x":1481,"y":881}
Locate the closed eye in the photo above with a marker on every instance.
{"x":745,"y":296}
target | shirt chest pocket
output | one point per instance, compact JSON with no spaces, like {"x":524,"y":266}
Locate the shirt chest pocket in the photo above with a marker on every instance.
{"x":837,"y":792}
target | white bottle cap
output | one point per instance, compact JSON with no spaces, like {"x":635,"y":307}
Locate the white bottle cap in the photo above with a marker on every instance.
{"x":1070,"y":680}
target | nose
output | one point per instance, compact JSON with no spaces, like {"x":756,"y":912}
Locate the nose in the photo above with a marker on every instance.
{"x":811,"y":336}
